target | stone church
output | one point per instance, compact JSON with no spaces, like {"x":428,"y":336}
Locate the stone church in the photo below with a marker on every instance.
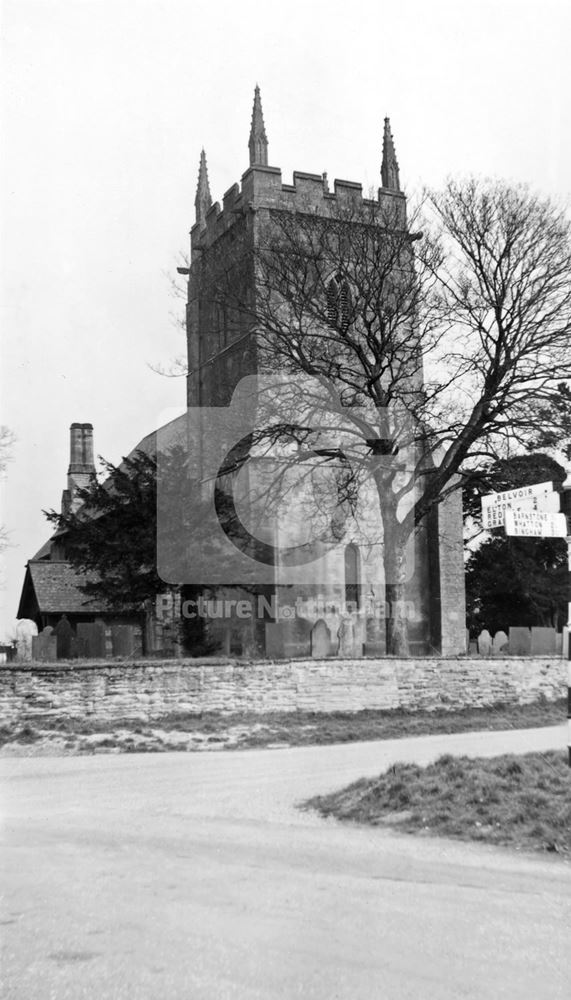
{"x":334,"y":605}
{"x":343,"y":611}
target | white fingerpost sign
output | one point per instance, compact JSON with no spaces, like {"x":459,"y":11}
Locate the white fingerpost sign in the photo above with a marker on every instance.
{"x":519,"y":493}
{"x":535,"y":524}
{"x":538,"y":497}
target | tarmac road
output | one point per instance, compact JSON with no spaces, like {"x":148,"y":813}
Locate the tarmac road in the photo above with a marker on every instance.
{"x":194,"y":877}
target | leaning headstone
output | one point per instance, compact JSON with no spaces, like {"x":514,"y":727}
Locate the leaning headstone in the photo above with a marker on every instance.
{"x":26,"y":629}
{"x":64,"y":635}
{"x":520,"y":641}
{"x":484,"y":643}
{"x":44,"y":647}
{"x":320,"y":640}
{"x":500,"y":643}
{"x":542,"y":641}
{"x":122,"y":640}
{"x":93,"y":634}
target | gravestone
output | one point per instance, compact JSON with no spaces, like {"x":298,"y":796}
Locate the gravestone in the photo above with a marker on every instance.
{"x":169,"y":636}
{"x":275,"y":640}
{"x":102,"y":626}
{"x":542,"y":641}
{"x":298,"y":636}
{"x":123,"y":640}
{"x":375,"y":637}
{"x":558,"y":644}
{"x":484,"y":643}
{"x":346,"y":637}
{"x":473,"y":648}
{"x":520,"y":641}
{"x":320,"y":640}
{"x":500,"y":643}
{"x":26,"y":629}
{"x":93,"y":635}
{"x":44,"y":646}
{"x":289,"y":637}
{"x":64,"y":636}
{"x":77,"y":648}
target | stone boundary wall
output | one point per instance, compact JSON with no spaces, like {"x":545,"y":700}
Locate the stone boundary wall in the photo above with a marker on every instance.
{"x":147,"y":691}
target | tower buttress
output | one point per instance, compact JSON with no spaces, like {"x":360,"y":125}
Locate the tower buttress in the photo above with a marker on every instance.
{"x":389,"y":166}
{"x":258,"y":141}
{"x":203,"y":199}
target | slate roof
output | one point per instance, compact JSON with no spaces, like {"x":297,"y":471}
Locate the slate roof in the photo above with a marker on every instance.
{"x":57,"y":589}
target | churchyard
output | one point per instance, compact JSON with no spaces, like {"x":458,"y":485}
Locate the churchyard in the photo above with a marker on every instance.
{"x":98,"y":640}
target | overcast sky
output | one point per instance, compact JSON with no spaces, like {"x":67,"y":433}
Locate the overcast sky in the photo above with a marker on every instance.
{"x":106,"y":105}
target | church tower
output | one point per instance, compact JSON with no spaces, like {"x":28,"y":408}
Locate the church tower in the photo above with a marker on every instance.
{"x":223,"y":348}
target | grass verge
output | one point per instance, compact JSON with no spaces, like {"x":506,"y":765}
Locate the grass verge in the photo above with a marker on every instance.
{"x":249,"y":730}
{"x":523,"y":802}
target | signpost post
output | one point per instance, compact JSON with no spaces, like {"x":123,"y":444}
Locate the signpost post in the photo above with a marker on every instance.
{"x":533,"y":512}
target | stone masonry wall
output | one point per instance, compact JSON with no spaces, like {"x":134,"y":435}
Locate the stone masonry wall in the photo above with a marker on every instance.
{"x":148,"y":691}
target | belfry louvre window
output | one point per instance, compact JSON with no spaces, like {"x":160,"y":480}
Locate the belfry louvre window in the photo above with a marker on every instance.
{"x":338,"y":303}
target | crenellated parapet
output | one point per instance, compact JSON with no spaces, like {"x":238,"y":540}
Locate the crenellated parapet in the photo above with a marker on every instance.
{"x":262,"y":188}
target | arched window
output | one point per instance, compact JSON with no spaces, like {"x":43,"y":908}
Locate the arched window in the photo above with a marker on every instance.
{"x":338,"y":303}
{"x":352,"y":588}
{"x":332,"y":302}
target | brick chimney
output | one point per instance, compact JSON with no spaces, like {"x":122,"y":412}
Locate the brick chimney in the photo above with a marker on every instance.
{"x":81,"y":464}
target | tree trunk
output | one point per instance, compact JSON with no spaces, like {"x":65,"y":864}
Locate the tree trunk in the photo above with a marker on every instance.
{"x":396,"y":575}
{"x":395,"y":598}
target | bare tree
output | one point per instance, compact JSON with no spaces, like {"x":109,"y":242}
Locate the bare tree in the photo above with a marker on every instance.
{"x":6,"y":442}
{"x":428,"y":338}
